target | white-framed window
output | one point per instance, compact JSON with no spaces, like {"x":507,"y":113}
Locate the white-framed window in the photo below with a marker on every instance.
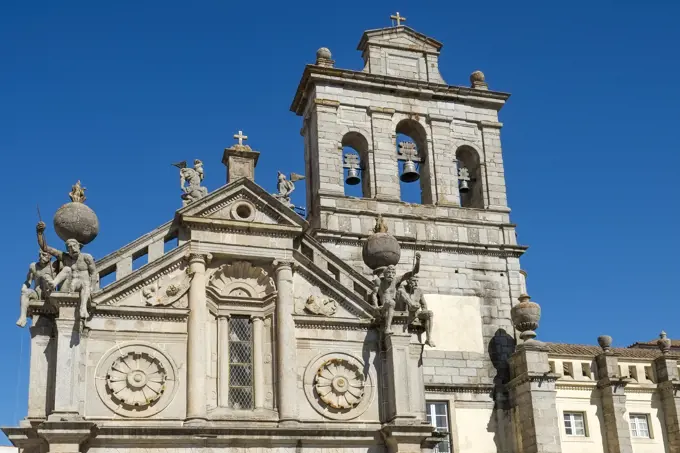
{"x":639,"y":425}
{"x":438,"y":417}
{"x":575,"y":424}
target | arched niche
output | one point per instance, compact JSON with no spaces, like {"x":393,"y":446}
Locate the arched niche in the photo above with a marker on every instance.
{"x":410,"y":130}
{"x":355,"y":156}
{"x":470,"y":177}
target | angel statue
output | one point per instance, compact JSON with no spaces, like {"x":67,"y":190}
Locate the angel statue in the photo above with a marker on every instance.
{"x":286,"y":187}
{"x":40,"y":275}
{"x":192,"y":177}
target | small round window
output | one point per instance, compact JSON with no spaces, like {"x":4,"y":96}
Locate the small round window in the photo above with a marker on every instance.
{"x":242,"y":210}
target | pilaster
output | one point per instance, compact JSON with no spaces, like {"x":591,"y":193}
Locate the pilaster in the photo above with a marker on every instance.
{"x":223,"y":361}
{"x":386,"y":177}
{"x":329,"y":159}
{"x":258,"y":364}
{"x":495,"y":195}
{"x":444,"y":169}
{"x":41,"y":374}
{"x":533,"y":400}
{"x":668,"y":387}
{"x":68,"y":357}
{"x":196,"y":351}
{"x":65,"y":437}
{"x":612,"y":386}
{"x":285,"y":343}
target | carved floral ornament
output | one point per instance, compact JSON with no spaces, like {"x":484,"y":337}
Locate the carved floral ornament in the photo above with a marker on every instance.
{"x":136,"y":380}
{"x":339,"y":386}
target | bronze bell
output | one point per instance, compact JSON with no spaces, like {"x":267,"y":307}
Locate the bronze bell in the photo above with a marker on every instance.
{"x":352,"y":178}
{"x":464,"y":187}
{"x":409,"y":174}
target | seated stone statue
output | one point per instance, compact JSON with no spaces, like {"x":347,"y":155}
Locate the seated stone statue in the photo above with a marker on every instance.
{"x":40,"y":275}
{"x":412,"y":298}
{"x":78,"y":273}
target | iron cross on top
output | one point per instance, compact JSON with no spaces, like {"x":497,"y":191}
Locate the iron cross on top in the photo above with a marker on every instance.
{"x":240,"y":137}
{"x":398,"y":19}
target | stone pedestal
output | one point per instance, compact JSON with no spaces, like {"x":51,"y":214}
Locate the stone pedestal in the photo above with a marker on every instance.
{"x":41,"y":374}
{"x":240,"y":161}
{"x":285,"y":343}
{"x":405,"y":389}
{"x":612,"y":385}
{"x":532,"y":400}
{"x":65,"y":437}
{"x":669,"y":391}
{"x":68,"y":357}
{"x":196,"y":350}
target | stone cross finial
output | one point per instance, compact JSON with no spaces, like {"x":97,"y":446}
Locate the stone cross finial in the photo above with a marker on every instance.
{"x":398,"y":19}
{"x":240,"y":137}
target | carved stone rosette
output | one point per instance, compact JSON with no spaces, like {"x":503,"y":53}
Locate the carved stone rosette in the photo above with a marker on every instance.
{"x":337,"y":387}
{"x":136,"y":380}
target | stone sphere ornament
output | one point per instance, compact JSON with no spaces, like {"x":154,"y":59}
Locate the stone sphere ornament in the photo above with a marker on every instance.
{"x":381,"y":249}
{"x":477,"y":76}
{"x":525,"y":316}
{"x":323,"y":52}
{"x":75,"y":220}
{"x":605,"y":342}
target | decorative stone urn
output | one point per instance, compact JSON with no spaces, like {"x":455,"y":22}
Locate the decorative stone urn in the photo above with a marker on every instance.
{"x":605,"y":342}
{"x":664,"y":343}
{"x":75,"y":220}
{"x":525,"y":316}
{"x":381,"y":249}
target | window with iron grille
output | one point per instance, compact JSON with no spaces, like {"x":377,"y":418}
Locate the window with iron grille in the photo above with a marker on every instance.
{"x":639,"y":425}
{"x":240,"y":363}
{"x":575,"y":424}
{"x":438,"y":417}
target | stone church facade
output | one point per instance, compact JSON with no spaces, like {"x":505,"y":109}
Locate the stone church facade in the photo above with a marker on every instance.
{"x":240,"y":326}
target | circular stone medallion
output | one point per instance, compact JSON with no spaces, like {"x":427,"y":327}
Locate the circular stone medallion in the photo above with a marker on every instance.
{"x":336,"y":386}
{"x":136,"y":380}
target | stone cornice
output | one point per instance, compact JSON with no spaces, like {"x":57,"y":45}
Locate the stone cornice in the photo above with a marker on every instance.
{"x":252,"y":228}
{"x":143,"y":313}
{"x":479,"y":389}
{"x":463,"y":248}
{"x":381,"y":83}
{"x":532,"y":377}
{"x":331,"y":323}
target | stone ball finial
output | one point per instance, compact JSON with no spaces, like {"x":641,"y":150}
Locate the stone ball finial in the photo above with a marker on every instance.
{"x":664,"y":343}
{"x":478,"y":80}
{"x":75,"y":220}
{"x":525,"y":317}
{"x":323,"y":52}
{"x":605,"y":342}
{"x":381,"y":249}
{"x":324,"y":58}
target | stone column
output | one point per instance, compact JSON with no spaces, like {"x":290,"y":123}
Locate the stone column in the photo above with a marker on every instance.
{"x":41,"y":377}
{"x":196,"y":349}
{"x":68,"y":357}
{"x":612,"y":385}
{"x":258,"y":365}
{"x":532,"y":400}
{"x":223,"y":361}
{"x":668,"y":385}
{"x":286,"y":355}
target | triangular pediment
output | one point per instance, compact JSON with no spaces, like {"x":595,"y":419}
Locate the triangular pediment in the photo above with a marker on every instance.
{"x":242,"y":201}
{"x":400,"y":37}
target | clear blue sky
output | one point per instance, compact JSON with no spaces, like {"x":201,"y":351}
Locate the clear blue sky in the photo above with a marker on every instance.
{"x":113,"y":92}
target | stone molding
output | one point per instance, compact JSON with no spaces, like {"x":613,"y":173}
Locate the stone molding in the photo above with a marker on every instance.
{"x":239,"y":226}
{"x":372,"y":110}
{"x":533,"y":377}
{"x":432,"y":117}
{"x":327,"y":102}
{"x":313,"y":322}
{"x":478,"y":389}
{"x":159,"y":314}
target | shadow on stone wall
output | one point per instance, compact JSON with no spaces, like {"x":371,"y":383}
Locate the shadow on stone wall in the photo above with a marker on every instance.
{"x":500,"y":348}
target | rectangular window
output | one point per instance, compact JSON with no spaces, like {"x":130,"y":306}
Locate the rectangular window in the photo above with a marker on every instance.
{"x":639,"y":425}
{"x":240,"y":363}
{"x":574,"y":424}
{"x":438,"y":417}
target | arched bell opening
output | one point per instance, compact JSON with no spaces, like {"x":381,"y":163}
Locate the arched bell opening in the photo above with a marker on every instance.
{"x":355,"y":165}
{"x":414,"y":171}
{"x":469,"y":178}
